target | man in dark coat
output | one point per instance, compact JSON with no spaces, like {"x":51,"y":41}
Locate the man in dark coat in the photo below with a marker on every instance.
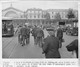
{"x":19,"y":34}
{"x":28,"y":34}
{"x":40,"y":36}
{"x":51,"y":46}
{"x":60,"y":36}
{"x":73,"y":46}
{"x":23,"y":33}
{"x":34,"y":33}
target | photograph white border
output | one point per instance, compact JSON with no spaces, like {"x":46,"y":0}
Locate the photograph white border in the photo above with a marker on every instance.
{"x":23,"y":60}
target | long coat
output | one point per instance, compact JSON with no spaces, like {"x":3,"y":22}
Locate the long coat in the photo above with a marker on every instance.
{"x":59,"y":33}
{"x":34,"y":32}
{"x":39,"y":33}
{"x":50,"y":47}
{"x":23,"y":31}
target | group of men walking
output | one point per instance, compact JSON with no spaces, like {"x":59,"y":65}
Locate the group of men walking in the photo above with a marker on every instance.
{"x":24,"y":35}
{"x":50,"y":45}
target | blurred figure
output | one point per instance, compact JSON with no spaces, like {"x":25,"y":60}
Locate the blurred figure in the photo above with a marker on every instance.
{"x":23,"y":35}
{"x":40,"y":36}
{"x":34,"y":33}
{"x":51,"y":45}
{"x":73,"y":46}
{"x":19,"y":34}
{"x":10,"y":25}
{"x":28,"y":34}
{"x":60,"y":36}
{"x":5,"y":27}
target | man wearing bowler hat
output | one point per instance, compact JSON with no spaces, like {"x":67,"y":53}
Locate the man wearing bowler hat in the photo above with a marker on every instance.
{"x":51,"y":45}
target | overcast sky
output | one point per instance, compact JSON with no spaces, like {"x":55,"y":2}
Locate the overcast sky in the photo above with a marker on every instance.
{"x":24,"y":5}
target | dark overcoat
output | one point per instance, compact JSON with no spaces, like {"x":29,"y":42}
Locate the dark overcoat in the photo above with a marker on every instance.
{"x":51,"y":47}
{"x":39,"y":33}
{"x":34,"y":32}
{"x":60,"y":33}
{"x":23,"y":31}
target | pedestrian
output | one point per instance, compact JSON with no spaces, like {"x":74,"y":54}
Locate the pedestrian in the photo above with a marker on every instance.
{"x":34,"y":33}
{"x":51,"y":45}
{"x":19,"y":34}
{"x":28,"y":35}
{"x":73,"y":46}
{"x":60,"y":36}
{"x":40,"y":36}
{"x":23,"y":33}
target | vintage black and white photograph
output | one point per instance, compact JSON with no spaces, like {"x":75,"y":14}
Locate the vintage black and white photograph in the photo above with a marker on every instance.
{"x":39,"y":29}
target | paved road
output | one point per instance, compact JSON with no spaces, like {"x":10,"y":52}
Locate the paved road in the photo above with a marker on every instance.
{"x":63,"y":51}
{"x":12,"y":49}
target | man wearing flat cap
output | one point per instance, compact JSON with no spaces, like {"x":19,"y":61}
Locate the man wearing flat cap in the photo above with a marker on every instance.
{"x":51,"y":45}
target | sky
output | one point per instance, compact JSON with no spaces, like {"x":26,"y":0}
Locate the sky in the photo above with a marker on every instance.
{"x":24,"y":5}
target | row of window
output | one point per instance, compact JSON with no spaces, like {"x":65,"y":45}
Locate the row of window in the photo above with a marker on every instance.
{"x":34,"y":11}
{"x":61,"y":13}
{"x":35,"y":16}
{"x":37,"y":12}
{"x":52,"y":17}
{"x":42,"y":11}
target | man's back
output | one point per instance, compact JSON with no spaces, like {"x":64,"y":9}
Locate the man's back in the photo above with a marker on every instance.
{"x":51,"y":46}
{"x":53,"y":43}
{"x":34,"y":31}
{"x":23,"y":31}
{"x":40,"y":33}
{"x":28,"y":30}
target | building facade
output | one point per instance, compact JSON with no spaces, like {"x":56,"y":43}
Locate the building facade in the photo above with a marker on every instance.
{"x":12,"y":12}
{"x":36,"y":16}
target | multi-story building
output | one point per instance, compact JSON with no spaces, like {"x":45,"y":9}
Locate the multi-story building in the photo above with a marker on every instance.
{"x":34,"y":13}
{"x":63,"y":13}
{"x":36,"y":16}
{"x":53,"y":12}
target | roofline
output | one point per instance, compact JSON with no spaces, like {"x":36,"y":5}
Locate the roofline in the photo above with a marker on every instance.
{"x":13,"y":8}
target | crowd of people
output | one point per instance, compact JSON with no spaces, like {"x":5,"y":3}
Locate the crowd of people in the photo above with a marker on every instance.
{"x":50,"y":45}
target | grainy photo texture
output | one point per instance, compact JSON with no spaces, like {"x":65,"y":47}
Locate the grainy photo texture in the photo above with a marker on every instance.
{"x":40,"y":29}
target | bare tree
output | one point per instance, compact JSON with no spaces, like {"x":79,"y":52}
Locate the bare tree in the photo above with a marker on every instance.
{"x":47,"y":16}
{"x":57,"y":16}
{"x":70,"y":14}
